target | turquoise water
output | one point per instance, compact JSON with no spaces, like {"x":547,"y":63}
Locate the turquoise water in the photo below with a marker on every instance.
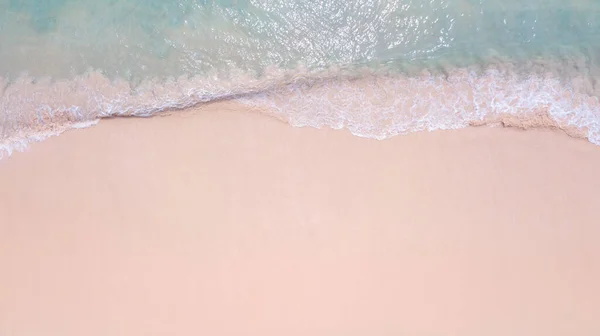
{"x":377,"y":67}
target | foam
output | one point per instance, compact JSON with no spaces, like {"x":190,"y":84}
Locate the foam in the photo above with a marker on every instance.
{"x":32,"y":108}
{"x":380,"y":107}
{"x":374,"y":103}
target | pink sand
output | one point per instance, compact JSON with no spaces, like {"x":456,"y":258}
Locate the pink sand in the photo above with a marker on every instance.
{"x":223,"y":222}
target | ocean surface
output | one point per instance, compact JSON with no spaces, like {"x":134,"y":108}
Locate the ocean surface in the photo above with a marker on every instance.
{"x":379,"y":68}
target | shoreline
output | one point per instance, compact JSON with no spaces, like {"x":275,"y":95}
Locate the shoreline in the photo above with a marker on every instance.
{"x":218,"y":221}
{"x":373,"y":103}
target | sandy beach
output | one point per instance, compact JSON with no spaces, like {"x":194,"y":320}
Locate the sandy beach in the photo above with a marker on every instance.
{"x":219,"y":221}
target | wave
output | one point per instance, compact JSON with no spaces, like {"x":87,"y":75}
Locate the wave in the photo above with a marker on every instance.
{"x":374,"y":102}
{"x":381,"y":107}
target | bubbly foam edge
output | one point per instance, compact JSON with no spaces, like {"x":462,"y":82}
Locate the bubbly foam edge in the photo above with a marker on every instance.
{"x":544,"y":101}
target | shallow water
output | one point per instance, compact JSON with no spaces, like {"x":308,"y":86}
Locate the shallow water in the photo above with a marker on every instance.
{"x":377,"y":67}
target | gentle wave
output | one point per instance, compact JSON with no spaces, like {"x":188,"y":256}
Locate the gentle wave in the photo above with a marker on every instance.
{"x":370,"y":102}
{"x":381,"y":107}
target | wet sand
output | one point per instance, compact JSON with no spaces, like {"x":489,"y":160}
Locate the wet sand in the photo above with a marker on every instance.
{"x":224,"y":222}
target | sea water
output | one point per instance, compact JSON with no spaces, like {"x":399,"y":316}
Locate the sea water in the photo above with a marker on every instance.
{"x":376,"y":67}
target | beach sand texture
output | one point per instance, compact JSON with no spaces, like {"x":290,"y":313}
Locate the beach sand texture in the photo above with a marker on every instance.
{"x":217,"y":221}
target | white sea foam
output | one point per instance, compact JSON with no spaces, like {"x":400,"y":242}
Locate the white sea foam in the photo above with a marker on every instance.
{"x":380,"y":107}
{"x":370,"y":103}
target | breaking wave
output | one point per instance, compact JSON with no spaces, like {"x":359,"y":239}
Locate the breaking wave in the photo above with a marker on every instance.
{"x":373,"y":102}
